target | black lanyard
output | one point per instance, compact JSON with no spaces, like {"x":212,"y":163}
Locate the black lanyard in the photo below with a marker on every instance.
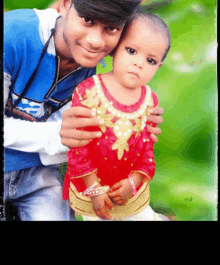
{"x":34,"y":73}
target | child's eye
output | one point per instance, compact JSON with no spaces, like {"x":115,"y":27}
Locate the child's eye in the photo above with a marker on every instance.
{"x":131,"y":51}
{"x":151,"y":61}
{"x":87,"y":20}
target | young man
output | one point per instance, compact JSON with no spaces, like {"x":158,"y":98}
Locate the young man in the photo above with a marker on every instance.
{"x":46,"y":54}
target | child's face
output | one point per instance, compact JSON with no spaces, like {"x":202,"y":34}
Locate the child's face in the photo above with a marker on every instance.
{"x":138,"y":55}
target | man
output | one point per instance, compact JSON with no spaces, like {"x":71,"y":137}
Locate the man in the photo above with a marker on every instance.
{"x":46,"y":55}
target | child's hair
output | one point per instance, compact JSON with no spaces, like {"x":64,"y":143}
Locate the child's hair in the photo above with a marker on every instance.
{"x":116,"y":12}
{"x":154,"y":22}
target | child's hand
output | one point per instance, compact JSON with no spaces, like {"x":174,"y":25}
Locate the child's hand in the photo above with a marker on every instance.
{"x":120,"y":192}
{"x":99,"y":202}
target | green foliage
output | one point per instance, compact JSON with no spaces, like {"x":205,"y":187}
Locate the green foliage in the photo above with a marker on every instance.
{"x":185,"y":180}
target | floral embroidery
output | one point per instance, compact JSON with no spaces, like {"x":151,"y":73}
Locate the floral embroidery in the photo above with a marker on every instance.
{"x":122,"y":126}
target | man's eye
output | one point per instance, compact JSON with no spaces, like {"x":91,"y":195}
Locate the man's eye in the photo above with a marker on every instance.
{"x":112,"y":29}
{"x":131,"y":51}
{"x":87,"y":20}
{"x":151,"y":61}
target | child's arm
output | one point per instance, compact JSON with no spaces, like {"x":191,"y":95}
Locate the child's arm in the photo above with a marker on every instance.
{"x":100,"y":201}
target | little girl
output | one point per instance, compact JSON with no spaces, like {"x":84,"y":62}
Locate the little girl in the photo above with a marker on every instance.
{"x":108,"y":178}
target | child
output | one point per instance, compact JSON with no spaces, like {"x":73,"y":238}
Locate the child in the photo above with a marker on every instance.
{"x":115,"y":170}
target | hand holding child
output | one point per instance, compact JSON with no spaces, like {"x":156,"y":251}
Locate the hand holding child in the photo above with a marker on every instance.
{"x":72,"y":119}
{"x":155,"y":118}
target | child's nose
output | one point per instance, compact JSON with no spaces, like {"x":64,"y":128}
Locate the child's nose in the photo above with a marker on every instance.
{"x":139,"y":61}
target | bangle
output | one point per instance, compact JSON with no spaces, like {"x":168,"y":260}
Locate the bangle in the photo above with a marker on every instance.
{"x":98,"y":191}
{"x":132,"y":185}
{"x":86,"y":192}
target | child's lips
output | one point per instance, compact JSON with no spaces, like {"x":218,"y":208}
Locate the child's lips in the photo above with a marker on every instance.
{"x":134,"y":74}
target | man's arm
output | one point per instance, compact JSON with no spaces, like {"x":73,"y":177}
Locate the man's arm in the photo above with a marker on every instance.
{"x":29,"y":136}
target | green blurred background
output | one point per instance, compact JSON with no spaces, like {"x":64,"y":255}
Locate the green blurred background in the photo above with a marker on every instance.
{"x":185,"y":184}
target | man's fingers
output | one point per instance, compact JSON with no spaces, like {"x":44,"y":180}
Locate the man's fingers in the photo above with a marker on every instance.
{"x":78,"y":111}
{"x":153,"y":138}
{"x":153,"y":130}
{"x":69,"y":142}
{"x":155,"y":119}
{"x":80,"y":134}
{"x":74,"y":122}
{"x":157,"y":111}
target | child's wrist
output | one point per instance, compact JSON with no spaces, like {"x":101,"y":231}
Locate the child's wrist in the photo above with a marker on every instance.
{"x":97,"y":191}
{"x":137,"y":178}
{"x":132,"y":185}
{"x":92,"y":186}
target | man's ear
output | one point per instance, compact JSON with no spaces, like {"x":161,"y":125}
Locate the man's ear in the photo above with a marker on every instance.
{"x":64,"y":7}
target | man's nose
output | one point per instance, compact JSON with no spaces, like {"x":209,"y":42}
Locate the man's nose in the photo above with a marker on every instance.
{"x":95,"y":38}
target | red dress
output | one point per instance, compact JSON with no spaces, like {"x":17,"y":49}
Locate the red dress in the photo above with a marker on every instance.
{"x":125,"y":145}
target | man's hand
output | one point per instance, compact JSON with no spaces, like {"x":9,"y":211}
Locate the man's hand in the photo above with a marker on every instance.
{"x":155,"y":118}
{"x":78,"y":117}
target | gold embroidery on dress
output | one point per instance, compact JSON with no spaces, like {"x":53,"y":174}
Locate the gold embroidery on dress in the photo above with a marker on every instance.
{"x":123,"y":127}
{"x":82,"y":204}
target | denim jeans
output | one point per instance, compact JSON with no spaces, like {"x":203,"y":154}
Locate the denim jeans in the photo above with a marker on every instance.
{"x":37,"y":194}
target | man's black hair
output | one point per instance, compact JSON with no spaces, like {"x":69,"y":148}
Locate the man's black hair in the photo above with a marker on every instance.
{"x":116,"y":12}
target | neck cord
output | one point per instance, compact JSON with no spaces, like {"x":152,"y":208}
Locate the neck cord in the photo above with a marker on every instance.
{"x":34,"y":73}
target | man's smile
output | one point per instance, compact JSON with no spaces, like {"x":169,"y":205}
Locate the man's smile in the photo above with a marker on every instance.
{"x":90,"y":53}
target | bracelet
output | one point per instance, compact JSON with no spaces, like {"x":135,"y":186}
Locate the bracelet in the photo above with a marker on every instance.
{"x":86,"y":192}
{"x":132,"y":185}
{"x":98,"y":191}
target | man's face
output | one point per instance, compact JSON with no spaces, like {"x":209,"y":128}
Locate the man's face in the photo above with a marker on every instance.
{"x":88,"y":40}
